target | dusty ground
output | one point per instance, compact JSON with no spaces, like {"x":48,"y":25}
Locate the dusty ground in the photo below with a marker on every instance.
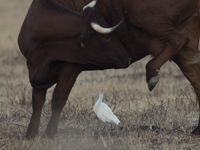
{"x":161,"y":120}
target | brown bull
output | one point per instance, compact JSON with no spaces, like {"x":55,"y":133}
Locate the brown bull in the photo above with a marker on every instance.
{"x":59,"y":42}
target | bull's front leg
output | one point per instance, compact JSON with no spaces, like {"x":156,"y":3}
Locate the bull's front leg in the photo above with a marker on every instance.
{"x":176,"y":41}
{"x":64,"y":85}
{"x":38,"y":99}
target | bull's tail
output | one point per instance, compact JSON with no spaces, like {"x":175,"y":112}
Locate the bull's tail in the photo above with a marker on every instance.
{"x":191,"y":52}
{"x":196,"y":58}
{"x":198,"y":8}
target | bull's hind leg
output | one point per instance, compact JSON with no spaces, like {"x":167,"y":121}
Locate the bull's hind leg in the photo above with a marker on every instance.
{"x":66,"y":80}
{"x":174,"y":42}
{"x":38,"y":99}
{"x":192,"y":72}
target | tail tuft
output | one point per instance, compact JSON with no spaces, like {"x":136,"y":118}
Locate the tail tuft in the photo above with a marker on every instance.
{"x":196,"y":58}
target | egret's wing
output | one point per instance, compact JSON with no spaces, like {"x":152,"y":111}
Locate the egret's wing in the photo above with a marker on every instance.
{"x":106,"y":107}
{"x":107,"y":114}
{"x":100,"y":116}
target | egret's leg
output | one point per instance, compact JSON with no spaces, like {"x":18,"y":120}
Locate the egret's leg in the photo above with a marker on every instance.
{"x":98,"y":129}
{"x":112,"y":128}
{"x":104,"y":127}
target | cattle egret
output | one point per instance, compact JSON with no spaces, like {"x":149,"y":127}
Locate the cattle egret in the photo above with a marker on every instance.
{"x":103,"y":111}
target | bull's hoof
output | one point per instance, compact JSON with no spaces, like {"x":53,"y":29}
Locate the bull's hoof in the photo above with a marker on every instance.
{"x":152,"y":76}
{"x":32,"y":131}
{"x":30,"y":134}
{"x":152,"y":82}
{"x":51,"y":131}
{"x":196,"y":131}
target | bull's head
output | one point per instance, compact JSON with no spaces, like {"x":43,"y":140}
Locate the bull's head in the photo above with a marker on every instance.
{"x":95,"y":26}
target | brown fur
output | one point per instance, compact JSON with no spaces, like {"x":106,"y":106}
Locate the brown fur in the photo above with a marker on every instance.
{"x":59,"y":43}
{"x":190,"y":54}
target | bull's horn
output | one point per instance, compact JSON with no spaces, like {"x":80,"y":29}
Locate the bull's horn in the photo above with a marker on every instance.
{"x":96,"y":27}
{"x":91,"y":4}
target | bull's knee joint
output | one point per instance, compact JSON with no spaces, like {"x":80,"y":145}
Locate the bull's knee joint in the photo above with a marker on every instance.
{"x":151,"y":69}
{"x":179,"y":41}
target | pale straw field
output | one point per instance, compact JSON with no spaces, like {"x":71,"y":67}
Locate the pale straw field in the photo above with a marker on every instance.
{"x":160,"y":120}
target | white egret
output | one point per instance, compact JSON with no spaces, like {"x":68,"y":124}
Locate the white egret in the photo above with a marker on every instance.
{"x":103,"y":111}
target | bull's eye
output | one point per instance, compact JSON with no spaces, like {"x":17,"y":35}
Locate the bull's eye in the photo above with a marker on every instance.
{"x":82,"y":44}
{"x":108,"y":39}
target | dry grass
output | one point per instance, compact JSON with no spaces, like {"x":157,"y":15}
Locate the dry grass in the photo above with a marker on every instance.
{"x":160,"y":120}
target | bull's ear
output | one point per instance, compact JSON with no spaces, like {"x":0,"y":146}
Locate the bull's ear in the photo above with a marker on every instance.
{"x":102,"y":30}
{"x":91,"y":4}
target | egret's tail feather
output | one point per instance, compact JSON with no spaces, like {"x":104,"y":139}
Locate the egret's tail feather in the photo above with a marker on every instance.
{"x":116,"y":120}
